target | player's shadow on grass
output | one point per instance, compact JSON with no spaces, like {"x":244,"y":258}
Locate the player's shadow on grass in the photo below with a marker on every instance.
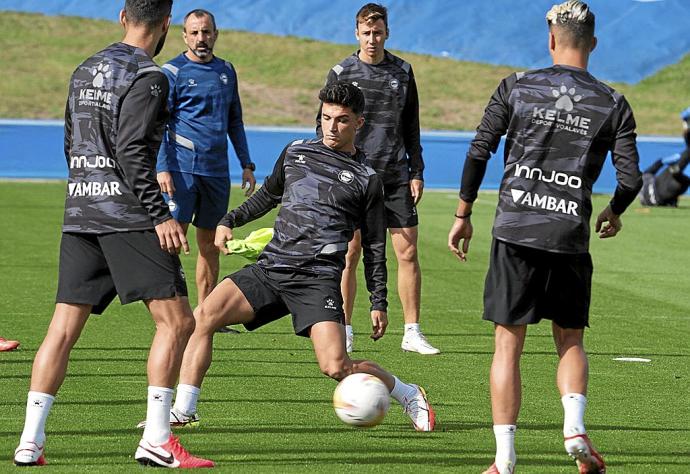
{"x":210,"y":375}
{"x":206,"y":401}
{"x":474,"y":425}
{"x":215,"y":349}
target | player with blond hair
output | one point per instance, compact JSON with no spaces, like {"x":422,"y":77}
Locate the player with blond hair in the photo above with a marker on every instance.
{"x":560,"y":123}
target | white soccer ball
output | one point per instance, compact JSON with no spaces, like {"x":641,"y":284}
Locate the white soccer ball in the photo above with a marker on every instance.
{"x":361,"y":400}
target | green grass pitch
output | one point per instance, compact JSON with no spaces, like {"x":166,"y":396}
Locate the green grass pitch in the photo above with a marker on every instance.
{"x":265,"y":407}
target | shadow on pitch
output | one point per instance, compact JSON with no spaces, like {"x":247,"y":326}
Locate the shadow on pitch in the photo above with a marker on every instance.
{"x":473,"y":425}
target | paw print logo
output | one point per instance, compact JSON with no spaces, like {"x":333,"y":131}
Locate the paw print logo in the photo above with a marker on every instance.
{"x":155,"y":90}
{"x":100,"y":74}
{"x":330,"y":303}
{"x":565,"y":98}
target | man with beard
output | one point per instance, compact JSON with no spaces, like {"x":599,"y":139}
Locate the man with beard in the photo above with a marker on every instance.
{"x":118,"y":235}
{"x":192,"y":166}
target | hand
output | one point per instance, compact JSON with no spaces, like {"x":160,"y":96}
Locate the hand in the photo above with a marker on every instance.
{"x":248,"y":179}
{"x":165,"y":181}
{"x":416,"y":189}
{"x":461,"y":230}
{"x":379,"y":323}
{"x":223,"y":234}
{"x":171,"y":237}
{"x":613,"y":223}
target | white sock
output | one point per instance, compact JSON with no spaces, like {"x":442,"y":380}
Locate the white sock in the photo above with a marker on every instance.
{"x":401,"y":390}
{"x":157,"y":429}
{"x":186,"y":399}
{"x":348,"y":330}
{"x":574,"y":405}
{"x":37,"y":408}
{"x":505,"y":447}
{"x":412,"y":327}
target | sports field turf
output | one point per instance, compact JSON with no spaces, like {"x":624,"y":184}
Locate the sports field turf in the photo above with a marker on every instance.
{"x":265,"y":406}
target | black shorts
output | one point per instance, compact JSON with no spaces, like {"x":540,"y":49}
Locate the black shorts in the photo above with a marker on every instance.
{"x":400,"y":209}
{"x":96,"y":267}
{"x":524,"y":285}
{"x":274,"y":294}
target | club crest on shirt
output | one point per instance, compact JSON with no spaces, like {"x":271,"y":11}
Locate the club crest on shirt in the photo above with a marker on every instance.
{"x":394,"y":83}
{"x":346,"y":176}
{"x":224,"y":78}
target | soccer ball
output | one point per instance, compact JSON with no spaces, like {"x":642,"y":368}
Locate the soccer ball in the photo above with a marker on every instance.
{"x":361,"y":400}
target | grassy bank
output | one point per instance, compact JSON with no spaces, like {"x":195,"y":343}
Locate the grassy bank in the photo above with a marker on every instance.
{"x":280,"y":76}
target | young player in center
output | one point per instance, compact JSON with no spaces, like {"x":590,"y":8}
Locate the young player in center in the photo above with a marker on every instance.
{"x":325,"y":193}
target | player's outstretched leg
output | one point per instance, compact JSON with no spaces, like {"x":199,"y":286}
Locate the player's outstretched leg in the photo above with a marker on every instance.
{"x":329,"y":346}
{"x":572,"y":378}
{"x":225,"y":305}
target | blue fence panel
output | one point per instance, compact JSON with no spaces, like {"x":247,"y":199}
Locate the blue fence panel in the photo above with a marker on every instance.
{"x":34,"y":149}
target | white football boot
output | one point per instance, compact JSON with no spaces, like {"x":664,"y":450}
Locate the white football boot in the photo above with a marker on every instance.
{"x":29,"y":454}
{"x":414,"y":341}
{"x":418,"y":408}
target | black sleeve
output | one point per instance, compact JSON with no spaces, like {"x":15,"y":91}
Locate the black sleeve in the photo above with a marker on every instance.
{"x":68,"y":128}
{"x":410,"y":130}
{"x":374,"y":244}
{"x":625,"y":158}
{"x":330,"y":79}
{"x":654,"y":168}
{"x":143,"y":114}
{"x":489,"y":132}
{"x":261,"y":202}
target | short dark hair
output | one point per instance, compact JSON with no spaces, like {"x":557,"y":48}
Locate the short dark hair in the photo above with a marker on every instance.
{"x":371,"y":13}
{"x":200,"y":12}
{"x":345,"y":94}
{"x":575,"y":20}
{"x":147,"y":12}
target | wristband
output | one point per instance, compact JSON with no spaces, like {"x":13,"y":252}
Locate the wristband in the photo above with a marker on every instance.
{"x":463,"y":217}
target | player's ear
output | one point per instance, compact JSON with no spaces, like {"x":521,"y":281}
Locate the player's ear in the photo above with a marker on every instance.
{"x":594,"y":43}
{"x":166,"y":23}
{"x":357,"y":32}
{"x":123,"y":18}
{"x":360,"y":121}
{"x":552,"y":41}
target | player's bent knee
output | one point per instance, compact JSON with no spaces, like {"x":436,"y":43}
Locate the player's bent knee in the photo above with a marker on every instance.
{"x":205,"y":320}
{"x":336,"y":370}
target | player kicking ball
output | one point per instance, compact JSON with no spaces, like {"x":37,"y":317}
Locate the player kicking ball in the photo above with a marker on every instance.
{"x":325,"y":194}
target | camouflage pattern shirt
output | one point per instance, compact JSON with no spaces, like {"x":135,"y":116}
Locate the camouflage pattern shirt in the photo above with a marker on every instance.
{"x":324,"y":196}
{"x":390,"y":136}
{"x":560,"y":123}
{"x":114,"y":120}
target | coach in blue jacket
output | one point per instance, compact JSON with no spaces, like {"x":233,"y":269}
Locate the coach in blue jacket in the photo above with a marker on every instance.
{"x":192,"y":164}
